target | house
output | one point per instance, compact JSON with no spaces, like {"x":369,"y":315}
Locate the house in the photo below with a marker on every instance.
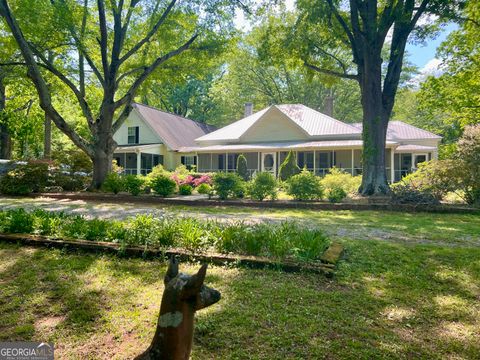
{"x":150,"y":137}
{"x":265,"y":138}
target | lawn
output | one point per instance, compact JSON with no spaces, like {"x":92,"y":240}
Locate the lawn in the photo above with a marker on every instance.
{"x":391,"y":298}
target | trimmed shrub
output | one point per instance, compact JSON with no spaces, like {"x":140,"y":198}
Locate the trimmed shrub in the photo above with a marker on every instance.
{"x":69,"y":182}
{"x":185,"y":189}
{"x":242,"y":169}
{"x":134,"y":184}
{"x":157,"y":171}
{"x":24,"y":179}
{"x":336,"y":194}
{"x":305,"y":186}
{"x":163,"y":185}
{"x":405,"y":193}
{"x":228,"y":185}
{"x":338,"y":178}
{"x":262,"y":186}
{"x":289,"y":167}
{"x":114,"y":183}
{"x":204,"y":189}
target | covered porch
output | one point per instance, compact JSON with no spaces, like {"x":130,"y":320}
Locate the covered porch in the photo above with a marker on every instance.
{"x":138,"y":159}
{"x":318,"y":158}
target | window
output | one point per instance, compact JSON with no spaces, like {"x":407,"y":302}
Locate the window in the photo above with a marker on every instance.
{"x":305,"y":159}
{"x":133,"y":134}
{"x":189,"y":161}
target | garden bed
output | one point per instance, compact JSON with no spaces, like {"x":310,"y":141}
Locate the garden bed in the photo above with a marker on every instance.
{"x":277,"y":204}
{"x":326,"y":264}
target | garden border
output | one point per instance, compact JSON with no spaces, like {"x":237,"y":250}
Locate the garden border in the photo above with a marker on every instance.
{"x":277,"y":204}
{"x":326,"y":267}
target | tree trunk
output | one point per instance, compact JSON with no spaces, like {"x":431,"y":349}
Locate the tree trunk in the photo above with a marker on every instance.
{"x":375,"y":122}
{"x":47,"y":141}
{"x":103,"y":148}
{"x":5,"y":138}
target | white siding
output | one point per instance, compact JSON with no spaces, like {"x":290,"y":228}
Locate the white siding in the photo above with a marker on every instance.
{"x":146,"y":135}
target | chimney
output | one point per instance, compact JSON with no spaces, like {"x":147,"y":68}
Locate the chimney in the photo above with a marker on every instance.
{"x":328,"y":110}
{"x":248,"y":109}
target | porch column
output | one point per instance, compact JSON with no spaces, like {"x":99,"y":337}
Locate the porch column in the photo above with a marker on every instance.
{"x":353,"y":162}
{"x":314,"y":163}
{"x":139,"y":162}
{"x":392,"y":166}
{"x":226,"y":162}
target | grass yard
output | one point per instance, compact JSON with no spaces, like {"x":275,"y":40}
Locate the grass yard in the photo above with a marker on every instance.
{"x":391,"y":298}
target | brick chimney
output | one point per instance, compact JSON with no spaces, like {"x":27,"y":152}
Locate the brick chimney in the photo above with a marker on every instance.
{"x":328,"y":110}
{"x":248,"y":109}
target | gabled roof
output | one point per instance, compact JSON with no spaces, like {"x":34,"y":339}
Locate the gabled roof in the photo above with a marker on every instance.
{"x":312,"y":122}
{"x":175,"y":131}
{"x":398,"y":130}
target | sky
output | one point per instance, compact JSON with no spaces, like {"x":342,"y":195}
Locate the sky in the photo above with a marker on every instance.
{"x":421,"y":55}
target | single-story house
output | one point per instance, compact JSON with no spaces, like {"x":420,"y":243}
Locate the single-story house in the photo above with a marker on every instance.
{"x":265,"y":138}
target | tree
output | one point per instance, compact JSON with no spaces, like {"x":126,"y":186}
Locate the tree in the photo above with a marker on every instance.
{"x":361,"y":28}
{"x":289,"y":167}
{"x":115,"y":48}
{"x":242,"y":169}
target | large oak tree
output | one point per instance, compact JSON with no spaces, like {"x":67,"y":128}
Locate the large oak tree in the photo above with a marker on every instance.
{"x":107,"y":49}
{"x":365,"y":28}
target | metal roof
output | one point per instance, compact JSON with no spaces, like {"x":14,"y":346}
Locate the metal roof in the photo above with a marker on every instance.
{"x":312,"y":122}
{"x":410,"y":148}
{"x":175,"y":131}
{"x":285,"y":146}
{"x":398,"y":130}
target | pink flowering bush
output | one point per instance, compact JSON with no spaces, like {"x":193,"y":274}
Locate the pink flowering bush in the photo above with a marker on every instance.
{"x":203,"y":179}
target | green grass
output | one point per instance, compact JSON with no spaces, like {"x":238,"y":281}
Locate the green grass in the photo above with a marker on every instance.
{"x":388,"y":300}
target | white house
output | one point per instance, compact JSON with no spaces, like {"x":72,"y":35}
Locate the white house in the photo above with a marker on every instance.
{"x":265,"y":138}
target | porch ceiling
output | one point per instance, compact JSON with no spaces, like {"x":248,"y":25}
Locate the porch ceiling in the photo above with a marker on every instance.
{"x":283,"y":146}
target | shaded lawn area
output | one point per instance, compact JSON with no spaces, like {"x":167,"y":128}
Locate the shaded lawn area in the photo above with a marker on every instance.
{"x":389,"y":300}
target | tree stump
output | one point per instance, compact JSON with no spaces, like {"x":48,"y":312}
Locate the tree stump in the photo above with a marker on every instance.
{"x":182,"y":297}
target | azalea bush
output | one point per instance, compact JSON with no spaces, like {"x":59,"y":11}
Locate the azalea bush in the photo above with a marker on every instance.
{"x":228,"y":185}
{"x":338,"y":178}
{"x":262,"y":186}
{"x":277,"y":240}
{"x":25,"y":178}
{"x":305,"y":186}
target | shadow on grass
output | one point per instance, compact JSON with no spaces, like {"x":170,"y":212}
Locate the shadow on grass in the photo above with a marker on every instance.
{"x":387,"y":301}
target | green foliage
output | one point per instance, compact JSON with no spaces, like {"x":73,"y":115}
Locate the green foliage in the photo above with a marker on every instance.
{"x":278,"y":240}
{"x":114,"y":183}
{"x":69,"y":182}
{"x":407,"y":193}
{"x":289,"y":167}
{"x":242,"y":169}
{"x":205,"y":189}
{"x":336,"y":194}
{"x":263,"y":185}
{"x":228,"y":185}
{"x":24,"y":179}
{"x":305,"y":186}
{"x":338,"y":178}
{"x":133,"y":184}
{"x":185,"y":189}
{"x":467,"y":159}
{"x":163,"y":185}
{"x":157,"y":171}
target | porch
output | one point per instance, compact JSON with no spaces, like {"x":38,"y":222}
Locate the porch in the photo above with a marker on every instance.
{"x":317,"y":161}
{"x":136,"y":160}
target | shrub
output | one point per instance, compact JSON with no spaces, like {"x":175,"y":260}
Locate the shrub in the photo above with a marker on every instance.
{"x":468,"y":164}
{"x":69,"y":182}
{"x":228,"y":185}
{"x":156,"y":172}
{"x":305,"y":186}
{"x":262,"y":186}
{"x":163,"y":185}
{"x":204,"y":189}
{"x":405,"y":193}
{"x":202,"y":179}
{"x":185,"y":189}
{"x":336,"y":194}
{"x":114,"y":183}
{"x":337,"y":178}
{"x":134,"y":184}
{"x":24,"y":179}
{"x":242,"y":169}
{"x":289,"y":167}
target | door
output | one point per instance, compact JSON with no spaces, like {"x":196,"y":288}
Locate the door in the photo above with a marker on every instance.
{"x":269,"y":163}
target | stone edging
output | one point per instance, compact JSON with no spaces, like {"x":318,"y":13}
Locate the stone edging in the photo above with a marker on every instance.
{"x":278,"y":204}
{"x":326,"y":267}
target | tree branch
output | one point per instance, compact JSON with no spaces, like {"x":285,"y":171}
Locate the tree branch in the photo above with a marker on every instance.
{"x":331,"y":72}
{"x":103,"y":42}
{"x":152,"y":32}
{"x":128,"y":97}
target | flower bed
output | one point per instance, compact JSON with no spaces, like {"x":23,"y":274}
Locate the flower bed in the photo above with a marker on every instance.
{"x":284,"y":241}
